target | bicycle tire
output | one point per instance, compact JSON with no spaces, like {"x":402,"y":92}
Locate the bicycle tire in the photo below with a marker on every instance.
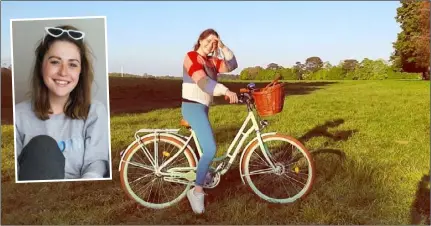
{"x":129,"y":153}
{"x":278,"y":137}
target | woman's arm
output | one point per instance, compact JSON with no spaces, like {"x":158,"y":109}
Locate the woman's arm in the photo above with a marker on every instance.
{"x":96,"y":153}
{"x":196,"y":71}
{"x":229,"y":63}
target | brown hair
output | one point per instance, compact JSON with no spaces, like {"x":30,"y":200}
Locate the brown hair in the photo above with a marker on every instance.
{"x":78,"y":104}
{"x":204,"y":35}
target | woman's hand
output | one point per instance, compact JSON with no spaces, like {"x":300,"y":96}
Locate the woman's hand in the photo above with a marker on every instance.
{"x":233,"y":98}
{"x":220,"y":43}
{"x":214,"y":45}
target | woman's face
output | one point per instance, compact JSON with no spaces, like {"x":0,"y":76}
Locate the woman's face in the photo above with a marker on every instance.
{"x":61,"y":68}
{"x":209,"y":44}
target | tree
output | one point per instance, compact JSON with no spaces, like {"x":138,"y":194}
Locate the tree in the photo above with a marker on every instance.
{"x":254,"y":72}
{"x":244,"y":75}
{"x":313,"y":64}
{"x":412,"y":47}
{"x":266,"y":74}
{"x":423,"y":40}
{"x":327,"y":65}
{"x":371,"y":70}
{"x":349,"y":65}
{"x":299,"y":70}
{"x":273,"y":66}
{"x":287,"y":74}
{"x":250,"y":73}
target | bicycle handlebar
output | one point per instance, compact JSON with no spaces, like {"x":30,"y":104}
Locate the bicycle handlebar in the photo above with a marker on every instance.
{"x":244,"y":90}
{"x":247,"y":91}
{"x":239,"y":98}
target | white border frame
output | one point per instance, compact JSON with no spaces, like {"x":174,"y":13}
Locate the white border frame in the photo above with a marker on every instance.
{"x":107,"y":98}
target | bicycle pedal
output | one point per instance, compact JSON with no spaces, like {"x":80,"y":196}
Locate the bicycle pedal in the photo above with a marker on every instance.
{"x":212,"y":179}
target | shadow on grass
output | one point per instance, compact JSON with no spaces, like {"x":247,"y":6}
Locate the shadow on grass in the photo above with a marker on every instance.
{"x":322,"y":131}
{"x":291,"y":89}
{"x":137,"y":95}
{"x":420,"y":209}
{"x":327,"y":161}
{"x":108,"y":199}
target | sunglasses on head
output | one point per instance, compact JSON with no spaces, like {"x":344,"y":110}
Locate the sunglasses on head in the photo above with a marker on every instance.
{"x":57,"y":32}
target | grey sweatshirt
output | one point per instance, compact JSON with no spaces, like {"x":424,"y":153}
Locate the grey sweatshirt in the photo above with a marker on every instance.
{"x":85,"y":144}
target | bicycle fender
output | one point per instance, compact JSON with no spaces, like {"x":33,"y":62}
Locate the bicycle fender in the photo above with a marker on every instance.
{"x":123,"y":153}
{"x":248,"y":146}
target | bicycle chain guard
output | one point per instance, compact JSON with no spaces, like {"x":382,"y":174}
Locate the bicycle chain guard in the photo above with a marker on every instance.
{"x":212,"y":178}
{"x":187,"y":175}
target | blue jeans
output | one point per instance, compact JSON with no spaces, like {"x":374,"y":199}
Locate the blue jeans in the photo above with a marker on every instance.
{"x":197,"y":116}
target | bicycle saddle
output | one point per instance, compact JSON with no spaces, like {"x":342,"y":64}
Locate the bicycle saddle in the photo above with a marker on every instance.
{"x":185,"y":124}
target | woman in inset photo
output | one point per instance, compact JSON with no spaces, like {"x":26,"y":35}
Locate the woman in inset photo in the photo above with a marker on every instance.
{"x":61,"y":131}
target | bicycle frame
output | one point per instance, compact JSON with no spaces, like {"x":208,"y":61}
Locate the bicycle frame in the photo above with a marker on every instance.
{"x":186,"y":172}
{"x":234,"y":147}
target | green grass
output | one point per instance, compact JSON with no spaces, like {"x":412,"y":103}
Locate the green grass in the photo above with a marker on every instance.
{"x":370,"y":141}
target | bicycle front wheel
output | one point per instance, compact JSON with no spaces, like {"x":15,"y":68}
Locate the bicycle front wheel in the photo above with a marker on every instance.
{"x":139,"y":178}
{"x":291,"y":175}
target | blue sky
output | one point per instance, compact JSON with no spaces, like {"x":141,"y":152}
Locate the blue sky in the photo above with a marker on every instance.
{"x":153,"y":37}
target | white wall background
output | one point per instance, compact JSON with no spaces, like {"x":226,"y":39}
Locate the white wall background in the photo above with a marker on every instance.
{"x":27,"y":34}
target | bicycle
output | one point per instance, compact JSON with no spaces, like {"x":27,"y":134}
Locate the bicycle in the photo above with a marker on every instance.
{"x":159,"y":166}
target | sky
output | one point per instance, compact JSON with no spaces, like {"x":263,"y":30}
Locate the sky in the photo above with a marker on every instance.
{"x":153,"y":37}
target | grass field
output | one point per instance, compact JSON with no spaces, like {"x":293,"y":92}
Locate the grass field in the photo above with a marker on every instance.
{"x":370,"y":141}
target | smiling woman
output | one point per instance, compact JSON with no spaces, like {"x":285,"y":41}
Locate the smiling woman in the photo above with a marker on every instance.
{"x":61,"y":132}
{"x":200,"y":71}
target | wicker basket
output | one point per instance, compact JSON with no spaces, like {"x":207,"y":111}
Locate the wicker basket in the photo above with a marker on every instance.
{"x":270,"y":100}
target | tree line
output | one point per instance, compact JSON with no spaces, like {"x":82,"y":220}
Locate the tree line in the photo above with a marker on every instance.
{"x":315,"y":69}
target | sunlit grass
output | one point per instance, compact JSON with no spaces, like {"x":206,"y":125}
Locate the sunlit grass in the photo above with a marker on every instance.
{"x":378,"y":132}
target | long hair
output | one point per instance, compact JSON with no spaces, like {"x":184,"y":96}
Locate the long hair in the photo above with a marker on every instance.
{"x":78,"y":104}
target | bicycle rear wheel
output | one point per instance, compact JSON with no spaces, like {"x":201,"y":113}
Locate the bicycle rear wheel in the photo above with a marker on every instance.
{"x":138,"y":176}
{"x":290,"y":179}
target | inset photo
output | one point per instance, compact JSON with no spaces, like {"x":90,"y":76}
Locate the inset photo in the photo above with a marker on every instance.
{"x":61,"y":99}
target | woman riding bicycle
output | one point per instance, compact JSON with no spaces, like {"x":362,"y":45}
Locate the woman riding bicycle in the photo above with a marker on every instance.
{"x":200,"y":70}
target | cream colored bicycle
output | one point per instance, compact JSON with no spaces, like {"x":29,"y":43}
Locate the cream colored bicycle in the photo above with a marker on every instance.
{"x":158,"y":168}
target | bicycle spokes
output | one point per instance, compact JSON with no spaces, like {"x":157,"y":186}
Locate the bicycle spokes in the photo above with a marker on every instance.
{"x":149,"y":183}
{"x":147,"y":153}
{"x":267,"y":156}
{"x":288,"y":175}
